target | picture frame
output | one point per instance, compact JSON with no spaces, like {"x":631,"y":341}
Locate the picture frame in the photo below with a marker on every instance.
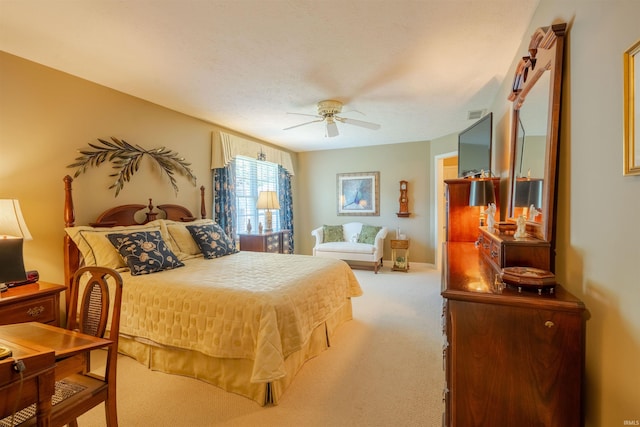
{"x":358,"y":193}
{"x":631,"y":61}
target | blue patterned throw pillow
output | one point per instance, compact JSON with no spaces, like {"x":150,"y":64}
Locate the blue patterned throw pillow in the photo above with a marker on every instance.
{"x":212,"y":240}
{"x":144,"y":252}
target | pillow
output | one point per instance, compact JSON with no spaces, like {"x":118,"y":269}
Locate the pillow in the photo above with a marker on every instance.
{"x":212,"y":240}
{"x":332,"y":233}
{"x":144,"y":252}
{"x":181,"y":239}
{"x":368,"y":234}
{"x":96,"y":249}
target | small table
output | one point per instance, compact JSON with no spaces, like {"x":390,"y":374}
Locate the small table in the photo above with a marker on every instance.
{"x":35,"y":335}
{"x":69,"y":349}
{"x":400,"y":260}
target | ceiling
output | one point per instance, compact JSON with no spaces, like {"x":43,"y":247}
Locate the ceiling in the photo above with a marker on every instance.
{"x":416,"y":67}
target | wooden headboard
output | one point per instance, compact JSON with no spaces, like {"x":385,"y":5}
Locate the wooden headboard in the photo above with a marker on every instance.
{"x":119,"y":215}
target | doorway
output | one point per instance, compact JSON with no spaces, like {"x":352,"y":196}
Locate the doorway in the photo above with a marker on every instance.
{"x":446,"y":168}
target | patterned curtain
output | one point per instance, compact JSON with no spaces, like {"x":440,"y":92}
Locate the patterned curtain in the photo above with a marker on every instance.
{"x":224,"y":199}
{"x":286,"y":203}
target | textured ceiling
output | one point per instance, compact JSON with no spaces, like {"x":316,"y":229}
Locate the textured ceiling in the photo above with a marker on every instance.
{"x":416,"y":67}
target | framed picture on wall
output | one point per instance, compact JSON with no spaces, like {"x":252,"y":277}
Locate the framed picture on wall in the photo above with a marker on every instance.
{"x":359,"y":193}
{"x":632,"y":110}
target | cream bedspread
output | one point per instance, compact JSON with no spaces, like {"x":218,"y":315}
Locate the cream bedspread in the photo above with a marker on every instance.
{"x":257,"y":306}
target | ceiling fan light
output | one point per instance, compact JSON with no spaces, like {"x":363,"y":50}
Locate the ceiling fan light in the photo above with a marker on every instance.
{"x":332,"y":128}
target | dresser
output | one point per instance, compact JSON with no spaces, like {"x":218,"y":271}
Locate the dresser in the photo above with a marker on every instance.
{"x":511,"y":359}
{"x":35,"y":302}
{"x":274,"y":242}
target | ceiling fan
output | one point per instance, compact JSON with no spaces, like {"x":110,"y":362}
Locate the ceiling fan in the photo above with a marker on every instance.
{"x":328,"y":112}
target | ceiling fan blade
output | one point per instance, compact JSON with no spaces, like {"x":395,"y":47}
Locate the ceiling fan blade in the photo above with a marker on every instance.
{"x":360,"y":123}
{"x":332,"y":129}
{"x":302,"y":124}
{"x":308,"y":115}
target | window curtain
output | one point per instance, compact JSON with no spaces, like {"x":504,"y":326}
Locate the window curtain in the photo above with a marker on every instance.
{"x":286,"y":203}
{"x":225,"y":147}
{"x":224,"y":199}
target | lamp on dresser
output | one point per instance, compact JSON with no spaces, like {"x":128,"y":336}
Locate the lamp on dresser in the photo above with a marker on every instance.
{"x":268,"y":200}
{"x":481,"y":194}
{"x":528,"y":197}
{"x":13,"y":231}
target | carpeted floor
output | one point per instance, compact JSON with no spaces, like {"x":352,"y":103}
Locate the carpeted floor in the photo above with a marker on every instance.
{"x":384,"y":369}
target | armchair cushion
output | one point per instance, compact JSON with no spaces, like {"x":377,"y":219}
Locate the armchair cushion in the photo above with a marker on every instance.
{"x":368,"y":234}
{"x":332,"y":233}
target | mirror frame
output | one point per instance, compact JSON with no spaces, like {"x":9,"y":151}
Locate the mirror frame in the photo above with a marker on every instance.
{"x":546,"y":52}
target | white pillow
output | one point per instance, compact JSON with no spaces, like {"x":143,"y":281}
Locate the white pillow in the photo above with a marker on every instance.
{"x":96,"y":249}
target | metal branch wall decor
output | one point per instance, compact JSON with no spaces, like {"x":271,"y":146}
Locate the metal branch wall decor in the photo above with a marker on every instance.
{"x":126,"y":160}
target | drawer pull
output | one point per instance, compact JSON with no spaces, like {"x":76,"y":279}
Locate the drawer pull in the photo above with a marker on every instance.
{"x":549,"y":324}
{"x":35,"y":311}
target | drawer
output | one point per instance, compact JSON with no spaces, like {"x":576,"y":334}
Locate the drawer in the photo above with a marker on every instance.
{"x":273,"y":243}
{"x":35,"y":310}
{"x":505,"y":251}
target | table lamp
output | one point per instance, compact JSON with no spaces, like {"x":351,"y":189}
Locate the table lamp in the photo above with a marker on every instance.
{"x":268,"y":200}
{"x":13,"y":231}
{"x":481,"y":193}
{"x":528,"y":193}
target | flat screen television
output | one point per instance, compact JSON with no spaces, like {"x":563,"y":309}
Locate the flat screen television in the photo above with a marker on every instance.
{"x":474,"y":148}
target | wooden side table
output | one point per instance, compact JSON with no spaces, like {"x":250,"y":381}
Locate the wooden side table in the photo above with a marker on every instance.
{"x":35,"y":302}
{"x":273,"y":241}
{"x":400,"y":255}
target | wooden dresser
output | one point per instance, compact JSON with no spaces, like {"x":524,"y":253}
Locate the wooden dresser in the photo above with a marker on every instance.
{"x":511,"y":359}
{"x":35,"y":302}
{"x":275,"y":242}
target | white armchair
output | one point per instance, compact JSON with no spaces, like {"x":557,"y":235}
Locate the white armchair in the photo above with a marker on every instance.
{"x":349,"y":249}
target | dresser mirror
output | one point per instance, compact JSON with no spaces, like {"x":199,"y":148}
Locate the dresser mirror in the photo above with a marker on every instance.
{"x":536,"y":96}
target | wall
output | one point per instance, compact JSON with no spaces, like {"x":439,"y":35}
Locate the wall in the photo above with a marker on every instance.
{"x":317,"y":203}
{"x":597,"y":215}
{"x":46,"y":116}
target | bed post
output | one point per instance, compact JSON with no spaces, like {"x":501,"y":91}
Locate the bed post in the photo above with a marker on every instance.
{"x":71,"y":254}
{"x":203,"y":209}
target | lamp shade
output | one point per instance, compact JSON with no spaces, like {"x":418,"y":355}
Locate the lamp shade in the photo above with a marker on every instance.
{"x":528,"y":192}
{"x":268,"y":200}
{"x":11,"y":220}
{"x":11,"y":262}
{"x":481,"y":192}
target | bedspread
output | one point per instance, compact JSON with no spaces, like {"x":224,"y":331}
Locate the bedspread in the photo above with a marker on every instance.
{"x":250,"y":305}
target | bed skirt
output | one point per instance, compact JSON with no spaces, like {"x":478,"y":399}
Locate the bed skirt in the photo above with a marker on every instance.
{"x":233,"y":375}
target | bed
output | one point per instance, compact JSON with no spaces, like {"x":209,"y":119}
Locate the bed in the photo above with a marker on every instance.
{"x":243,"y":321}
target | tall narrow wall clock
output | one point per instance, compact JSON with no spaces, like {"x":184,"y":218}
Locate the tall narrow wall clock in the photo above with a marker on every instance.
{"x":404,"y":200}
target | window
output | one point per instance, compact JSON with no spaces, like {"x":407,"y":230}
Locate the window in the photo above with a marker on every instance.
{"x":252,"y":177}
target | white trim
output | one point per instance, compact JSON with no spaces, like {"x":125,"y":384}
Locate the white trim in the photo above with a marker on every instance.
{"x":438,"y":162}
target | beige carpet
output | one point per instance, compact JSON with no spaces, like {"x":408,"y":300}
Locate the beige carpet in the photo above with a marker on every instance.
{"x":384,"y":369}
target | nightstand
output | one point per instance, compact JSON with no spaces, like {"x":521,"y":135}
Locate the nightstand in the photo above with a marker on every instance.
{"x":273,"y":241}
{"x":400,"y":260}
{"x":35,"y":302}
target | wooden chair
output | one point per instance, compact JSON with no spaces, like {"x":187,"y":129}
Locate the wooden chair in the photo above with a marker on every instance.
{"x":91,"y":317}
